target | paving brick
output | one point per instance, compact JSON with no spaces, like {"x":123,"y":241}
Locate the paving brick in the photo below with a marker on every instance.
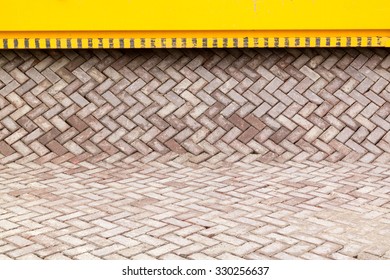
{"x":25,"y":250}
{"x":163,"y":250}
{"x":327,"y":248}
{"x":107,"y":250}
{"x":273,"y":248}
{"x":310,"y":73}
{"x":19,"y":241}
{"x":79,"y":250}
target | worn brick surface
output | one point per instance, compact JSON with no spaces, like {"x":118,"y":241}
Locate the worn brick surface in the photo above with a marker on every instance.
{"x":200,"y":105}
{"x":177,"y":210}
{"x":195,"y":154}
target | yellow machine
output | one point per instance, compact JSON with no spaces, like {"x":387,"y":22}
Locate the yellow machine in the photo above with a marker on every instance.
{"x":194,"y":24}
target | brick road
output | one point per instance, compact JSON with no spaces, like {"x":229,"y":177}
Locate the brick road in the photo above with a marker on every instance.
{"x":205,"y":105}
{"x":195,"y":154}
{"x":173,"y":211}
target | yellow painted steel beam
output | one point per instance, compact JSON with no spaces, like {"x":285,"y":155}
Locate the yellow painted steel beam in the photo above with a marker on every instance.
{"x":201,"y":23}
{"x":163,"y":41}
{"x":99,"y":15}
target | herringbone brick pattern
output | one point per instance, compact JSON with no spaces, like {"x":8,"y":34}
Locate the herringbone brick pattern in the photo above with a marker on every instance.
{"x":171,"y":211}
{"x":195,"y":105}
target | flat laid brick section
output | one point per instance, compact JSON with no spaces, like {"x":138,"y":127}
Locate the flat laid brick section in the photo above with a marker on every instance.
{"x":307,"y":210}
{"x":249,"y":105}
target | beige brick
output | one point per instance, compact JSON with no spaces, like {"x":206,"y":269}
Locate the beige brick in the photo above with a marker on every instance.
{"x":25,"y":250}
{"x":162,"y":250}
{"x":273,"y":248}
{"x":107,"y":250}
{"x":19,"y":241}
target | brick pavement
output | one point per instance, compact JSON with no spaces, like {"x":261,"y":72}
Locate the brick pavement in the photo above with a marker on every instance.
{"x":195,"y":154}
{"x":202,"y":105}
{"x":180,"y":211}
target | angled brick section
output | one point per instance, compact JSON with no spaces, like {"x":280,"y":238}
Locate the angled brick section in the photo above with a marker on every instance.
{"x":199,"y":105}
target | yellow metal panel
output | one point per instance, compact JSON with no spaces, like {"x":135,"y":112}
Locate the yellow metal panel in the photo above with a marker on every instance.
{"x":194,"y":24}
{"x":99,"y":15}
